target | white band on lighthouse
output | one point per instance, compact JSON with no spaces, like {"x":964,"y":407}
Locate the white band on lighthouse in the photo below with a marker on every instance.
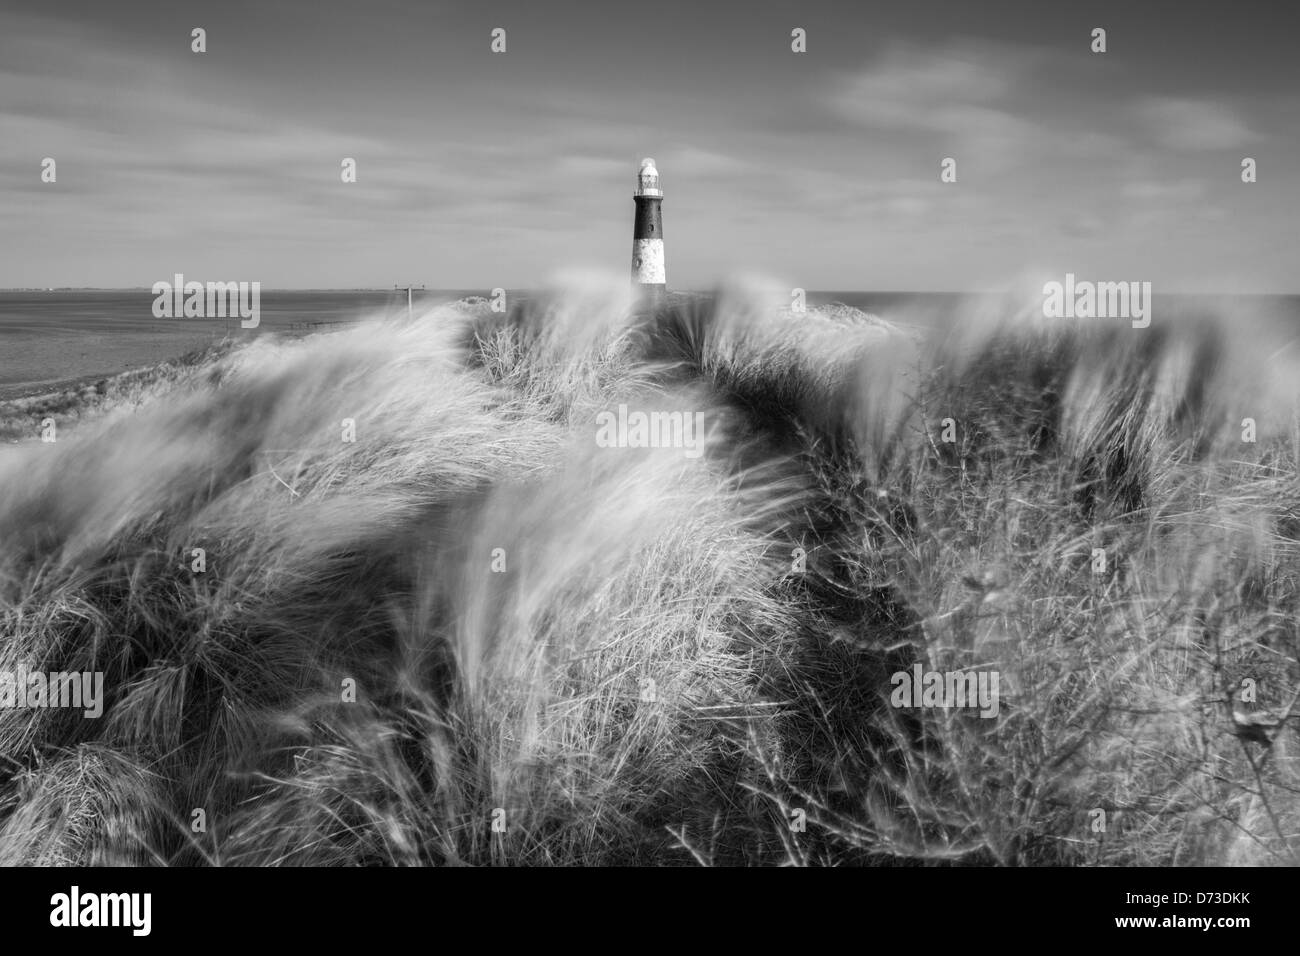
{"x":648,"y":262}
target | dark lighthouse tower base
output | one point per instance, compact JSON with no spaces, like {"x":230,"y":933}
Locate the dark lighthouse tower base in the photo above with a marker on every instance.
{"x":648,"y":276}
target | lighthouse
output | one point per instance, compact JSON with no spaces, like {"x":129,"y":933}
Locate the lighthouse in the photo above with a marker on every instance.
{"x":648,"y":234}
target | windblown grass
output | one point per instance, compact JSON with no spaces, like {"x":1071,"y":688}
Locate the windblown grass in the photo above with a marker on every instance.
{"x":564,"y":653}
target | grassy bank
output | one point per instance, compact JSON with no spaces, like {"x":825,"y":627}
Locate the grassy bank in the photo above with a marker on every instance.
{"x":475,"y":635}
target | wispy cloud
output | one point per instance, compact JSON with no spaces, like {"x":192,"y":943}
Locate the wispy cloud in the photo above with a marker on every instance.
{"x":1193,"y":124}
{"x":961,"y":95}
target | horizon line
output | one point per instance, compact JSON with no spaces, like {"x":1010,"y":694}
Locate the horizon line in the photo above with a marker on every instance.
{"x":708,"y":291}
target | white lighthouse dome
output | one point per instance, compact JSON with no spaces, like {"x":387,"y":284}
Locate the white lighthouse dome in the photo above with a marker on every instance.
{"x":648,"y":179}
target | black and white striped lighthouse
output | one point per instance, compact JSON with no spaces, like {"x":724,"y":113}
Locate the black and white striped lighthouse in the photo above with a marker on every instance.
{"x":648,"y":234}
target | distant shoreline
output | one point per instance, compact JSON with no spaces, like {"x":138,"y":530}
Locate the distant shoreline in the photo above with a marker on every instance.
{"x":29,"y":390}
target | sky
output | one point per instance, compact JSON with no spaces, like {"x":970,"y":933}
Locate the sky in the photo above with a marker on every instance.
{"x":818,"y":169}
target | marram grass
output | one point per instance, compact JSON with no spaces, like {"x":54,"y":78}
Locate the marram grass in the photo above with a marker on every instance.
{"x":472,"y":635}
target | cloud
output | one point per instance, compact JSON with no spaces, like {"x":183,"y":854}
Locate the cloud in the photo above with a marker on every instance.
{"x":961,"y":92}
{"x":594,"y":167}
{"x":1177,"y":191}
{"x":1192,"y":124}
{"x":695,"y":163}
{"x":908,"y":86}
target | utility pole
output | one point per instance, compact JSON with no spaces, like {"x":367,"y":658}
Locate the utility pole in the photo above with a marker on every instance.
{"x":408,"y":289}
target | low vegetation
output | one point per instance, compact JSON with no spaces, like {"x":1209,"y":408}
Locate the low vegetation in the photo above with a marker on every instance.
{"x":472,"y":635}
